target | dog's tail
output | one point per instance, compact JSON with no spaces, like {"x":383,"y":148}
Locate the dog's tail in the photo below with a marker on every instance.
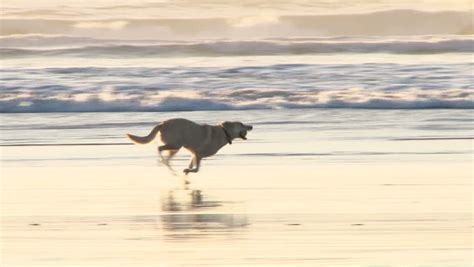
{"x":145,"y":139}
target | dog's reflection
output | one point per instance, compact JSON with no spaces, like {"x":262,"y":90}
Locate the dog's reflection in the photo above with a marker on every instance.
{"x":186,"y":209}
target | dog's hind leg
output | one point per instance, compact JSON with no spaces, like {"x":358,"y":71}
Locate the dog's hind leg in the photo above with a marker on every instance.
{"x":171,"y":154}
{"x":165,"y":147}
{"x":172,"y":151}
{"x":166,"y":160}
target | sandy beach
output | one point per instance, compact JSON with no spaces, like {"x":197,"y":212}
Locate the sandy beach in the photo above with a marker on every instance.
{"x":325,"y":195}
{"x":361,"y":153}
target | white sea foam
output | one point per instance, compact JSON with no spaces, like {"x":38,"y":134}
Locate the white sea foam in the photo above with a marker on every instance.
{"x":370,"y":85}
{"x":188,"y":104}
{"x":256,"y":99}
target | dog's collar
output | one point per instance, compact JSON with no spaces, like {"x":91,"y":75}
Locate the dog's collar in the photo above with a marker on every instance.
{"x":227,"y":136}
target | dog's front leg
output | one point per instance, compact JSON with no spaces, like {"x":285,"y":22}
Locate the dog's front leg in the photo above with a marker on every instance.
{"x":190,"y":166}
{"x":195,"y":161}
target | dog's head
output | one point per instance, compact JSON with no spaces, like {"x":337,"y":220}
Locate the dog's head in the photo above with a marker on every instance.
{"x":236,"y":129}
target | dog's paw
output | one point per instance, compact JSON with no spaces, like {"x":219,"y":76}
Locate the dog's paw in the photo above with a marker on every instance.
{"x":186,"y":171}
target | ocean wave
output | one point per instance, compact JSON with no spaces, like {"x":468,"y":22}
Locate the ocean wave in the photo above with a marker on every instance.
{"x":249,"y":48}
{"x":355,"y":98}
{"x":381,"y":23}
{"x":274,"y":86}
{"x":52,"y":40}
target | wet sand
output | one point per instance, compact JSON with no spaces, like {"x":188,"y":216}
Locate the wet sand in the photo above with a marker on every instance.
{"x":133,"y":217}
{"x":392,"y":191}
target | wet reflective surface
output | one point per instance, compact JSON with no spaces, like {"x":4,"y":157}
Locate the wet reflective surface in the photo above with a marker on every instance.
{"x":185,"y":209}
{"x":312,"y":188}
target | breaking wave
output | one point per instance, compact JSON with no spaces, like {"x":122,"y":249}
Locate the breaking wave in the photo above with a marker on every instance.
{"x":409,"y":99}
{"x":84,"y":47}
{"x":279,"y":86}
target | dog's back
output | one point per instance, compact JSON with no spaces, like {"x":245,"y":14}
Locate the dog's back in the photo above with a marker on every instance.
{"x":184,"y":133}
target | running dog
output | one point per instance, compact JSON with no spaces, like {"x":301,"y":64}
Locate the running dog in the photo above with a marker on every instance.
{"x":201,"y":140}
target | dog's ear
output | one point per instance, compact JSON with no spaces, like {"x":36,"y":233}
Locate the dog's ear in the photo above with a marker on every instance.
{"x":227,"y":126}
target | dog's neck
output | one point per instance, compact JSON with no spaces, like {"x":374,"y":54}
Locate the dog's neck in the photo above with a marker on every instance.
{"x":227,"y":136}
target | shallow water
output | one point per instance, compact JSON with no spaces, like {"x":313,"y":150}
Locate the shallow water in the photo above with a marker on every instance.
{"x":328,"y":134}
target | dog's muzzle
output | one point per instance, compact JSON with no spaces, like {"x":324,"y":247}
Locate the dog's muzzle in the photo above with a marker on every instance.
{"x":243,"y":134}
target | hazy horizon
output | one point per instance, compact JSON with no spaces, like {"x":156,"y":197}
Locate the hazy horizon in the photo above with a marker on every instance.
{"x":186,"y":9}
{"x":186,"y":20}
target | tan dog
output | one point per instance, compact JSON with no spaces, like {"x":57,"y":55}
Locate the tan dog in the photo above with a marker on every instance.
{"x":201,"y":140}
